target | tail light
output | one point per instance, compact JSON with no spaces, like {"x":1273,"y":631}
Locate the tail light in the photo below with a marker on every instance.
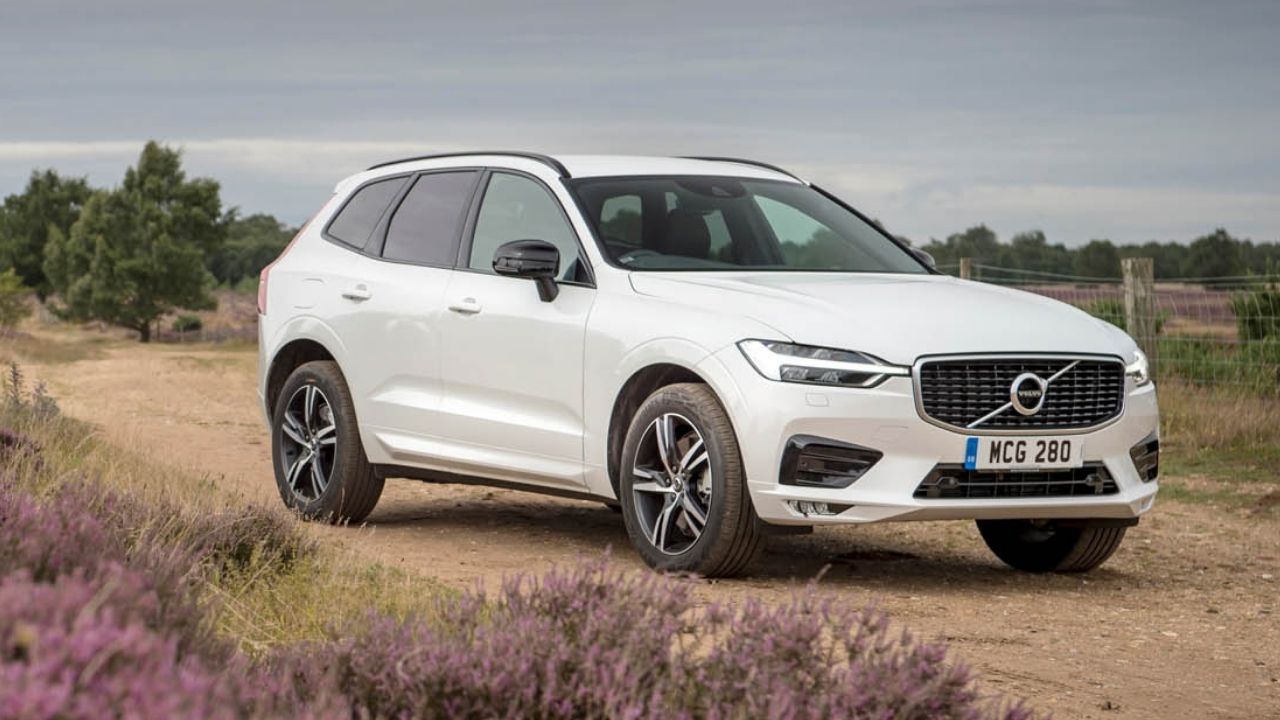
{"x":266,"y":271}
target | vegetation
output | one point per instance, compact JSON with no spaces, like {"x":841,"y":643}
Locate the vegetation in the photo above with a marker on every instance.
{"x":187,"y":323}
{"x":1216,"y":255}
{"x":14,"y":305}
{"x":50,"y":203}
{"x":252,"y":243}
{"x":1258,"y":312}
{"x":120,"y":595}
{"x":139,"y":251}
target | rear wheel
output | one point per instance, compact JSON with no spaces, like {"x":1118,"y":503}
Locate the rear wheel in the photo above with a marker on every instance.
{"x":320,"y":464}
{"x":683,"y":491}
{"x":1045,"y":546}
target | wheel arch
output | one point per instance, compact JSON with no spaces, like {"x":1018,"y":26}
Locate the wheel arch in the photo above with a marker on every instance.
{"x":288,"y":358}
{"x":640,"y":385}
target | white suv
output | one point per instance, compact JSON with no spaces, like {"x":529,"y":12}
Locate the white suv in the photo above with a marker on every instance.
{"x":711,"y":345}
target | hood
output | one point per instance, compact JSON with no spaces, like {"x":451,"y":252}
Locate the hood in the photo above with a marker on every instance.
{"x":895,"y":317}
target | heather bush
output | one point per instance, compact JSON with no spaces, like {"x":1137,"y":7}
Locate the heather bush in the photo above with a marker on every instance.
{"x":591,"y":642}
{"x":79,"y":648}
{"x":111,"y":601}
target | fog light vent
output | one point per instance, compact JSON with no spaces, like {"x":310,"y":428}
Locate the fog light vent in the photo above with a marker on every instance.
{"x":1146,"y":458}
{"x":818,"y":462}
{"x":816,"y":509}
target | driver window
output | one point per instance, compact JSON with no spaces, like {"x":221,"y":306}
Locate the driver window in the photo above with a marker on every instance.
{"x":517,"y":208}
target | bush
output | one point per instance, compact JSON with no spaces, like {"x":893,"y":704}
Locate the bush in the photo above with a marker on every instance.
{"x":1257,"y":313}
{"x":1252,"y":366}
{"x":1109,"y":309}
{"x":15,"y":301}
{"x":187,"y":323}
{"x":592,"y":642}
{"x":105,"y":611}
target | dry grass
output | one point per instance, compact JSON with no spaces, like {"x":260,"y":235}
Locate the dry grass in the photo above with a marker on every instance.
{"x":1220,"y":447}
{"x":262,"y":602}
{"x":1195,"y":418}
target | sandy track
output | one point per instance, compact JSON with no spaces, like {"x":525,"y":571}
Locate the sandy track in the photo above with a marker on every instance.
{"x":1183,"y":622}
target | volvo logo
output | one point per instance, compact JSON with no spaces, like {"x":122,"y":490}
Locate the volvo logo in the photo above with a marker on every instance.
{"x":1027,"y":393}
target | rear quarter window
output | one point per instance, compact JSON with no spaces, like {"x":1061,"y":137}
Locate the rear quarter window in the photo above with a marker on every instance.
{"x":355,"y":222}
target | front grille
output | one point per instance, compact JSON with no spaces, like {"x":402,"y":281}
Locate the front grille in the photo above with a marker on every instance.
{"x":954,"y":482}
{"x":957,"y":392}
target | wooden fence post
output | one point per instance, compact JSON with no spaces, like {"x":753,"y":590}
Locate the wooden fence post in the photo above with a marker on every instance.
{"x":966,"y":268}
{"x":1140,"y":305}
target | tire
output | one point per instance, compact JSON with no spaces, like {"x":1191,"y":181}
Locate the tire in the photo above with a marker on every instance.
{"x":341,"y":486}
{"x":712,"y":485}
{"x":1045,"y":547}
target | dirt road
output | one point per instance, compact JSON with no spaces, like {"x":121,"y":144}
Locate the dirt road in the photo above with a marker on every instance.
{"x":1183,"y":622}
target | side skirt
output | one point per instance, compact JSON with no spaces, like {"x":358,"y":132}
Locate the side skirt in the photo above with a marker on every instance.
{"x":448,"y":478}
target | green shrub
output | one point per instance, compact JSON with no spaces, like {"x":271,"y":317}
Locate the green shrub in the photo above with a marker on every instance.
{"x":15,"y":300}
{"x":1257,"y":312}
{"x":1109,"y":309}
{"x":1252,"y":366}
{"x":187,"y":323}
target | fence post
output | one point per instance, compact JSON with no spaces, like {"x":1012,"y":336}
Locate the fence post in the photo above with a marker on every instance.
{"x":966,"y":268}
{"x":1140,"y":304}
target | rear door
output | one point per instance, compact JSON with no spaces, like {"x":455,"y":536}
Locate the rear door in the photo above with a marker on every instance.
{"x":512,"y":374}
{"x":394,"y":311}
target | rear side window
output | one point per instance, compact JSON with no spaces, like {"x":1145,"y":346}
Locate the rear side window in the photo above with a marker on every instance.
{"x":357,"y":219}
{"x":426,"y":226}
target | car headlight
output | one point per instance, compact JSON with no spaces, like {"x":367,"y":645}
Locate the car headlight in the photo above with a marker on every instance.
{"x":787,"y":362}
{"x":1139,"y":369}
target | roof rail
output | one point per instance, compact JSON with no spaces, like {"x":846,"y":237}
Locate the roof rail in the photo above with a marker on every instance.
{"x":741,"y":161}
{"x":544,"y":159}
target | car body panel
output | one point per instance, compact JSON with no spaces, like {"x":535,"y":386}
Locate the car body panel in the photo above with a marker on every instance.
{"x":524,"y":391}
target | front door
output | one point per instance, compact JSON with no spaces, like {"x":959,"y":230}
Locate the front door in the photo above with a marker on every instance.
{"x":511,"y":380}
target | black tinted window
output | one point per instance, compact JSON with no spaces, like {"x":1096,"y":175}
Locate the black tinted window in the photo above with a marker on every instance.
{"x":713,"y":223}
{"x":356,"y":220}
{"x":426,"y":226}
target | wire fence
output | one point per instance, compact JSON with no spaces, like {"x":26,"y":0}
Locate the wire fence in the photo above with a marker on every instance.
{"x":1215,"y":332}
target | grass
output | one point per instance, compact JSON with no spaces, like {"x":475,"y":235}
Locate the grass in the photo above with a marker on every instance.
{"x":1228,"y":438}
{"x":49,"y":349}
{"x":261,"y":602}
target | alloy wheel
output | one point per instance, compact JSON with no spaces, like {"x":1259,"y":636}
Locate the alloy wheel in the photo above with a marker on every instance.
{"x":672,"y":487}
{"x":309,"y":441}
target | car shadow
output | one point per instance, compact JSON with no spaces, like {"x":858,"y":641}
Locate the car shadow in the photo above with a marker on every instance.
{"x":912,"y":558}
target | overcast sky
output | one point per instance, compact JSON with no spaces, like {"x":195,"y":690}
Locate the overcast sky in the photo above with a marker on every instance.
{"x":1126,"y":120}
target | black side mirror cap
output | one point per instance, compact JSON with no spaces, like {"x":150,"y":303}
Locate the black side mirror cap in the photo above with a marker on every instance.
{"x":536,"y":259}
{"x":924,"y":257}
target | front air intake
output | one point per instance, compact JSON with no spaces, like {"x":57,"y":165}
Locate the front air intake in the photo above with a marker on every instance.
{"x":819,"y":462}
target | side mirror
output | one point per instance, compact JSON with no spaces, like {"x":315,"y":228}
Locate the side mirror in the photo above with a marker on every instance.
{"x":537,"y":259}
{"x":924,"y":257}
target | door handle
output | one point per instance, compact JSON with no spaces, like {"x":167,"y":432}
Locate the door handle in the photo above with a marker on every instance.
{"x":466,"y":306}
{"x":359,"y":293}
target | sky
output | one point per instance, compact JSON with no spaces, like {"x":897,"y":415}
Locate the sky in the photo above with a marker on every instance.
{"x":1124,"y":120}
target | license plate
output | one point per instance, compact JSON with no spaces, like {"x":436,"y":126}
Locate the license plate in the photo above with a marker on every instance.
{"x":1022,"y":453}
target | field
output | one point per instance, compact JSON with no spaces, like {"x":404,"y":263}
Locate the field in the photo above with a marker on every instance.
{"x":1183,"y":622}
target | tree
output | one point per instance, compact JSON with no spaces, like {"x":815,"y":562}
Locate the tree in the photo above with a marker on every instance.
{"x":1213,"y":256}
{"x":49,"y":201}
{"x":139,"y":251}
{"x":978,"y":242}
{"x":1098,"y":259}
{"x":14,"y":307}
{"x":252,"y":243}
{"x":1031,"y":251}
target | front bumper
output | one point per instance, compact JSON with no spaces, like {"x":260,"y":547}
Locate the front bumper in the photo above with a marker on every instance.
{"x":766,"y":414}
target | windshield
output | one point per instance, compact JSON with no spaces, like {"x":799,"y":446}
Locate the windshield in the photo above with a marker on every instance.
{"x":715,"y":223}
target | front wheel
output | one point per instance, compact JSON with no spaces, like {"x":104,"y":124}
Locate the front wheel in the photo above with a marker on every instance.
{"x":1044,"y":546}
{"x":682,"y":487}
{"x":321,"y":468}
